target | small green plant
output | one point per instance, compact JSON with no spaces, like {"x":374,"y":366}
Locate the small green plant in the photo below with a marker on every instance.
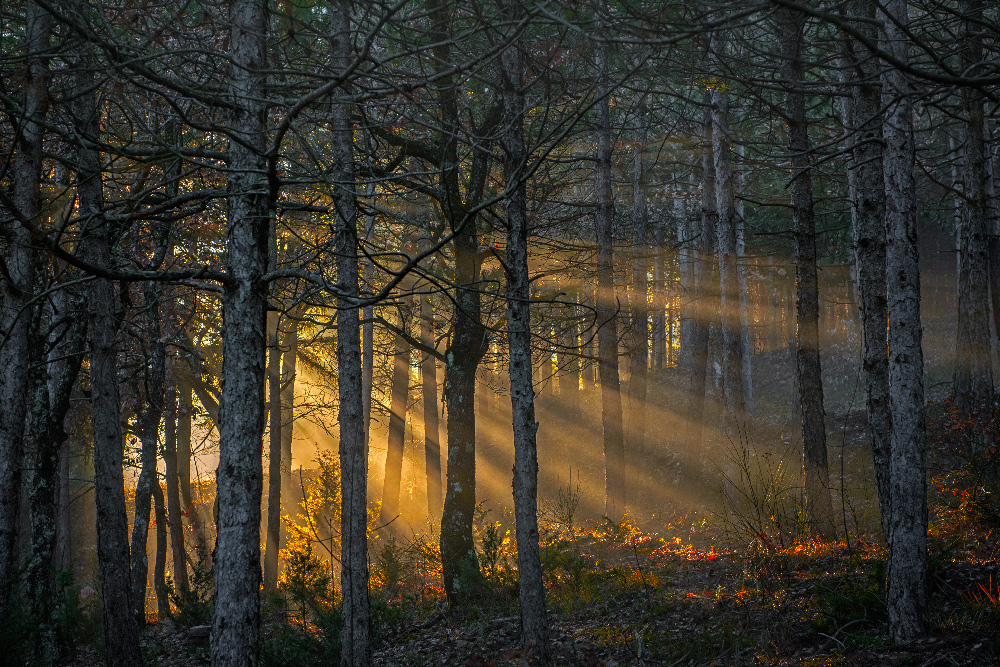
{"x":857,"y":595}
{"x":194,"y":606}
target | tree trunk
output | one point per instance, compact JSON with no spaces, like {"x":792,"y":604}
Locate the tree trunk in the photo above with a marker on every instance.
{"x":19,"y":259}
{"x":639,"y":359}
{"x":289,"y":359}
{"x":355,"y":641}
{"x":816,"y":473}
{"x":174,"y":512}
{"x":185,"y":409}
{"x":907,"y":599}
{"x":274,"y":457}
{"x":160,"y":560}
{"x":741,"y":270}
{"x":607,"y":303}
{"x":235,"y":640}
{"x":531,"y":591}
{"x":432,"y":430}
{"x":399,"y":392}
{"x":701,"y":292}
{"x":469,"y":337}
{"x":973,"y":367}
{"x":121,"y":629}
{"x":870,"y":249}
{"x":725,"y":198}
{"x":46,"y":436}
{"x":154,"y":375}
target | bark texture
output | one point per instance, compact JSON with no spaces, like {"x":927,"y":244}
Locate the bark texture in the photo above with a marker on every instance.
{"x":868,"y":208}
{"x":531,"y":591}
{"x":355,"y":640}
{"x":701,"y":278}
{"x":907,"y":599}
{"x":973,"y":366}
{"x":607,"y":302}
{"x":235,"y":640}
{"x":121,"y":630}
{"x":729,"y":284}
{"x":639,"y":357}
{"x":19,"y":259}
{"x":816,"y":473}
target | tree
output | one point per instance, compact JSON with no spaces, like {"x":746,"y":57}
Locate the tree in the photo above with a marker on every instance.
{"x":907,"y":471}
{"x":531,"y":591}
{"x":819,"y":508}
{"x":239,"y":479}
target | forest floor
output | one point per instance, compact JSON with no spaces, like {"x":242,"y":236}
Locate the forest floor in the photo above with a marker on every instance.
{"x":619,"y":597}
{"x":625,"y":598}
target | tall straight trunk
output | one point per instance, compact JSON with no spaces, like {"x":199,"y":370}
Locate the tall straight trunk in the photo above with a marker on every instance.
{"x":868,"y":207}
{"x":160,"y":558}
{"x":973,"y":367}
{"x":235,"y":639}
{"x":531,"y":590}
{"x":816,"y":473}
{"x":639,"y":359}
{"x":399,"y":392}
{"x":432,"y":430}
{"x":185,"y":409}
{"x":121,"y":629}
{"x":19,"y":259}
{"x":660,"y":323}
{"x":569,"y":362}
{"x":741,"y":270}
{"x":273,"y":542}
{"x":64,"y":515}
{"x":174,"y":512}
{"x":607,"y":303}
{"x":355,"y":640}
{"x":725,"y":198}
{"x":289,"y":359}
{"x":907,"y":598}
{"x":993,"y":226}
{"x":701,"y":292}
{"x":149,"y":429}
{"x":958,"y":210}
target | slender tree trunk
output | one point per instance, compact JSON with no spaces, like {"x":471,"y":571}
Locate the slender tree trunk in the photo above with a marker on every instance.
{"x":174,"y":513}
{"x":235,"y":640}
{"x":185,"y":409}
{"x":160,"y":559}
{"x":741,"y":270}
{"x":607,"y":303}
{"x":725,"y":197}
{"x":569,"y":363}
{"x":907,"y":598}
{"x":639,"y":360}
{"x":816,"y":473}
{"x":973,"y":367}
{"x":355,"y":641}
{"x":432,"y":437}
{"x":19,"y":260}
{"x":701,"y":291}
{"x":149,"y":429}
{"x":289,"y":360}
{"x":121,"y":629}
{"x":870,"y":248}
{"x":399,"y":392}
{"x":534,"y":622}
{"x":274,"y":457}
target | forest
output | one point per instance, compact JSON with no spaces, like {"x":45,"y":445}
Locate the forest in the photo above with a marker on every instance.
{"x":499,"y":332}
